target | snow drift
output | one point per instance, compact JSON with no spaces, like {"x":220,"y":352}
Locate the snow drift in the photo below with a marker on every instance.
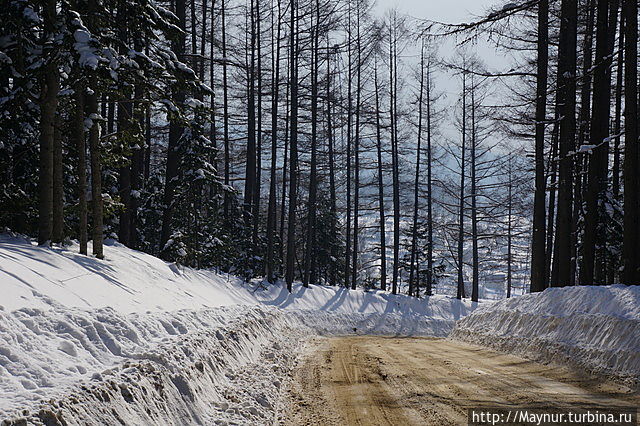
{"x":213,"y":366}
{"x":595,"y":328}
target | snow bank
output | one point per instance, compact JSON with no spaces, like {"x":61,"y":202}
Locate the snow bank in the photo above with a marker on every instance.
{"x":132,"y":338}
{"x":595,"y":328}
{"x":213,"y":366}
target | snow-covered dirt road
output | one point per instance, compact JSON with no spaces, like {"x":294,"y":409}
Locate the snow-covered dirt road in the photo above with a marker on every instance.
{"x":370,"y":380}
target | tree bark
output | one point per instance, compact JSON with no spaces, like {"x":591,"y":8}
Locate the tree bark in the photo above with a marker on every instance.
{"x":593,"y":267}
{"x":430,"y":281}
{"x":96,"y":169}
{"x":461,"y":289}
{"x":618,"y":111}
{"x":271,"y":214}
{"x":310,"y":255}
{"x":347,"y":263}
{"x":567,"y":101}
{"x":631,"y":239}
{"x":258,"y":182}
{"x":356,"y":154}
{"x":250,"y":165}
{"x":538,"y":253}
{"x":293,"y":165}
{"x":332,"y":178}
{"x":225,"y":112}
{"x":78,"y":135}
{"x":393,"y":78}
{"x":57,"y":233}
{"x":383,"y":231}
{"x":414,"y":230}
{"x":48,"y":107}
{"x":474,"y":198}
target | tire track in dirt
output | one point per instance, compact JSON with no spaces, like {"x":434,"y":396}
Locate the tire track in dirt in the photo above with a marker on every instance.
{"x":368,"y":380}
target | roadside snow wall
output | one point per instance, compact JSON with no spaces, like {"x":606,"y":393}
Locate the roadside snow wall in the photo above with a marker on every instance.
{"x":132,"y":339}
{"x":595,"y":328}
{"x":218,"y":366}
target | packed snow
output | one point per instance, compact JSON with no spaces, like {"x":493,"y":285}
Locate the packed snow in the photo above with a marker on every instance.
{"x":132,"y":338}
{"x":594,"y":328}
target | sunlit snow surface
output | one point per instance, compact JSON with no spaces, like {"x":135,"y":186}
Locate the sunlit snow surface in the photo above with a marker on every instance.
{"x":135,"y":338}
{"x":593,"y":328}
{"x":138,"y":340}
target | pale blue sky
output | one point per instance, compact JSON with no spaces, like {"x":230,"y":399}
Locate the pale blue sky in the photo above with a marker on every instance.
{"x":439,"y":10}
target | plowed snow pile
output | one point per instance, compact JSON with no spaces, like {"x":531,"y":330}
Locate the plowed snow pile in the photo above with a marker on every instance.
{"x":132,"y":339}
{"x":596,"y":328}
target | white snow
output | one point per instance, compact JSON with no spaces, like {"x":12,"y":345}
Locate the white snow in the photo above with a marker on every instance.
{"x":337,"y":310}
{"x":595,"y":328}
{"x":137,"y":340}
{"x":127,"y":280}
{"x":132,"y":337}
{"x":101,"y":367}
{"x":87,"y":54}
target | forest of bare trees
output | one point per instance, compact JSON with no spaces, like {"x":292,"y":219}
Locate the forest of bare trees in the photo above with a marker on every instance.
{"x":314,"y":141}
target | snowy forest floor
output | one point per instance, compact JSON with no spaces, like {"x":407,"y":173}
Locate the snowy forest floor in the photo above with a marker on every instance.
{"x":371,"y":380}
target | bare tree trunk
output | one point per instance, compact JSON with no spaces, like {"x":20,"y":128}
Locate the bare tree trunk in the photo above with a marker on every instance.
{"x":580,"y":163}
{"x":347,"y":263}
{"x":225,"y":106}
{"x":213,"y":134}
{"x":275,"y":84}
{"x":356,"y":153}
{"x":78,"y":135}
{"x":631,"y":261}
{"x":538,"y":254}
{"x":383,"y":231}
{"x":250,"y":165}
{"x":461,"y":289}
{"x":394,"y":151}
{"x":618,"y":111}
{"x":48,"y":107}
{"x":285,"y":162}
{"x":96,"y":169}
{"x":309,"y":258}
{"x":593,"y":268}
{"x":258,"y":183}
{"x":414,"y":230}
{"x":57,"y":233}
{"x":474,"y":212}
{"x":175,"y":133}
{"x":612,"y":268}
{"x":293,"y":166}
{"x":429,"y":290}
{"x":332,"y":177}
{"x":552,"y":270}
{"x":509,"y":227}
{"x":567,"y":101}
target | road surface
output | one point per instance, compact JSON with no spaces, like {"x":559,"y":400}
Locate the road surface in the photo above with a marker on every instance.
{"x":367,"y":380}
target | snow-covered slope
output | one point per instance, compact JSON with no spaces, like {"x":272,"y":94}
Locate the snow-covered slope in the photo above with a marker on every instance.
{"x":132,"y":337}
{"x":342,"y":300}
{"x":596,"y":328}
{"x":127,"y":280}
{"x":337,"y":310}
